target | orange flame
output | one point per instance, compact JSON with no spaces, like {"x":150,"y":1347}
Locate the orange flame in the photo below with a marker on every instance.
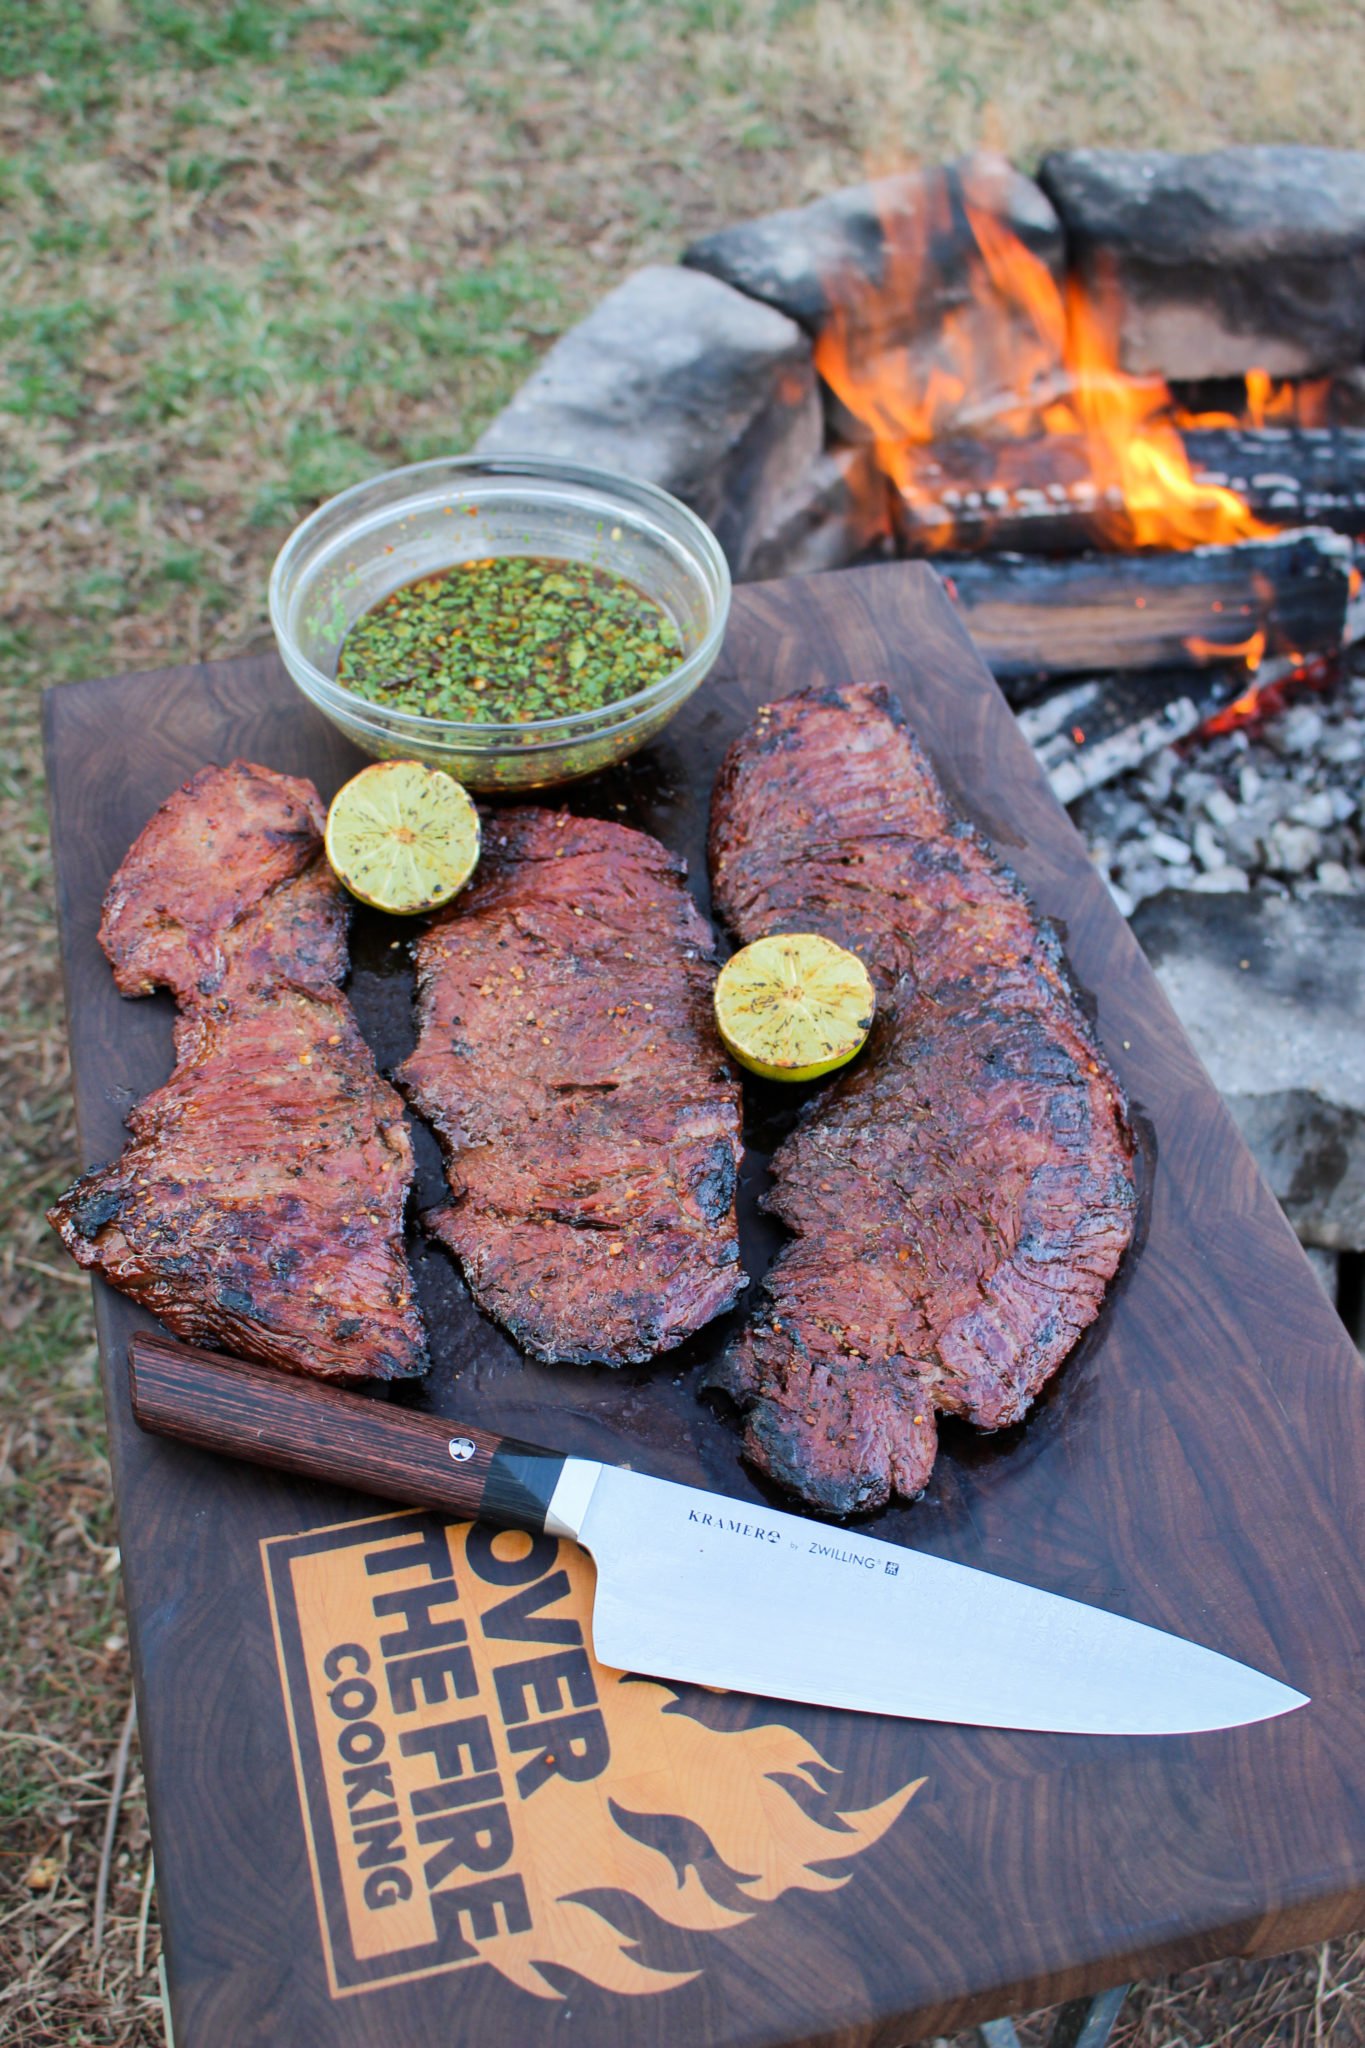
{"x":1285,"y":677}
{"x":1302,"y":405}
{"x":1251,"y":650}
{"x":1022,"y":358}
{"x":1240,"y":712}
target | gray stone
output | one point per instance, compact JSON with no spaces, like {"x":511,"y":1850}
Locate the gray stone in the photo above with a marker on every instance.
{"x":1272,"y":992}
{"x":1159,"y":775}
{"x":1317,"y":810}
{"x":676,"y":378}
{"x":1296,"y":731}
{"x":1193,"y":787}
{"x":894,"y":259}
{"x":1345,"y":747}
{"x":1245,"y":838}
{"x":1292,"y":849}
{"x":1209,"y":849}
{"x":1234,"y":260}
{"x":1142,"y":879}
{"x":835,"y":513}
{"x":1220,"y":881}
{"x":797,"y":260}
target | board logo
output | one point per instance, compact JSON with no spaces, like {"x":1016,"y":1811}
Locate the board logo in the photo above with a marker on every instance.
{"x":475,"y":1787}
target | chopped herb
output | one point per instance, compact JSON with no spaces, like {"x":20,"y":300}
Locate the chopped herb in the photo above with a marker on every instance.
{"x":508,"y":639}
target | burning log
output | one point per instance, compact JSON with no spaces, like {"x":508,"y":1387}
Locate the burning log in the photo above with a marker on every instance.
{"x":1039,"y":495}
{"x":1288,"y":476}
{"x":1089,"y":614}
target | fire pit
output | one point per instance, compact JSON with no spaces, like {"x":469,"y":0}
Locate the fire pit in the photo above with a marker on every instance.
{"x":1116,"y":405}
{"x":1121,"y":407}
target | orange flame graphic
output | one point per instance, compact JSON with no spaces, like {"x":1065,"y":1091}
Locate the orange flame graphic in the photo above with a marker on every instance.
{"x":728,"y":1785}
{"x":477,"y":1788}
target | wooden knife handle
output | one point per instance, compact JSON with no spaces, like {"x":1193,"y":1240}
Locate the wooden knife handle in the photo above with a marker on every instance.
{"x":271,"y":1417}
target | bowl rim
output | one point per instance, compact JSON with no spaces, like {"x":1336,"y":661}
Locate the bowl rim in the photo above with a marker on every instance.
{"x":625,"y":493}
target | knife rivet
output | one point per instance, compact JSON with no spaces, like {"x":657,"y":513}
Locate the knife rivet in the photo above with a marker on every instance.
{"x":461,"y":1449}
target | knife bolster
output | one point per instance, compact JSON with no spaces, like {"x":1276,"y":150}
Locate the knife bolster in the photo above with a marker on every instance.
{"x":520,"y":1486}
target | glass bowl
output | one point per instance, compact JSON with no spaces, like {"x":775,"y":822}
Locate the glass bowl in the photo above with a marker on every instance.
{"x":370,"y":540}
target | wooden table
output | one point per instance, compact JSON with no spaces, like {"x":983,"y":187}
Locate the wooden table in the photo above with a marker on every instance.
{"x":1198,"y":1465}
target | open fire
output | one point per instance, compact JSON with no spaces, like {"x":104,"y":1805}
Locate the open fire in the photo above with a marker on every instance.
{"x":1148,"y":562}
{"x":1047,"y":384}
{"x":1027,"y":372}
{"x":1014,"y":431}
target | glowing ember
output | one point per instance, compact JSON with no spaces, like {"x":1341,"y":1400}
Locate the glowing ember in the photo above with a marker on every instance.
{"x":1117,"y":454}
{"x":1240,"y":712}
{"x":1280,"y":680}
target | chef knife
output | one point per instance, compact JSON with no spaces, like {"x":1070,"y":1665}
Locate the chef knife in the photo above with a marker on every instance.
{"x":696,"y":1586}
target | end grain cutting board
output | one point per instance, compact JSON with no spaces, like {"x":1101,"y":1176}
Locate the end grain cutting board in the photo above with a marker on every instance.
{"x":682,"y":1868}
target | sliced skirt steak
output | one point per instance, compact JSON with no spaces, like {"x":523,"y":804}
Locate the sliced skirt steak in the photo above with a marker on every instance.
{"x":961,"y":1197}
{"x":570,"y":1066}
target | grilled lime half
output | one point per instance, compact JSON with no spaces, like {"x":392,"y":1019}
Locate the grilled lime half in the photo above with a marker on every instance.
{"x":402,"y":837}
{"x":794,"y":1006}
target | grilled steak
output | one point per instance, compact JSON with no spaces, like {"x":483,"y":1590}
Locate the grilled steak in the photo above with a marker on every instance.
{"x":570,"y":1066}
{"x":203,"y":879}
{"x":260,"y":1202}
{"x":961,"y":1197}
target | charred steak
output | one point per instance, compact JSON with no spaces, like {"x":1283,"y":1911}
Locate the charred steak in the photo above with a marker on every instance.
{"x":962,"y":1196}
{"x":570,"y":1067}
{"x":260,"y":1202}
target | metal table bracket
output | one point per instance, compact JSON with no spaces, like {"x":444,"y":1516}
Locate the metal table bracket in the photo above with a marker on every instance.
{"x":1084,"y":2023}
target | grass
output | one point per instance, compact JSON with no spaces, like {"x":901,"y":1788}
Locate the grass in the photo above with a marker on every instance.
{"x":250,"y":252}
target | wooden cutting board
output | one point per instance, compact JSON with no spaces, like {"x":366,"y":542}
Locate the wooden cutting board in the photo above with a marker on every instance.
{"x":687,"y":1868}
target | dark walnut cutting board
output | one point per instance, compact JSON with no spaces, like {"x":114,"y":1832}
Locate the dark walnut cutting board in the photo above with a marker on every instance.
{"x":681,"y":1868}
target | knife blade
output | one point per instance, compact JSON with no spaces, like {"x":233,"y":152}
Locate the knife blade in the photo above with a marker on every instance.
{"x":696,"y":1586}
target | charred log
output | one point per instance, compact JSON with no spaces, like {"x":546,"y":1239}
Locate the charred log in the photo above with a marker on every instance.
{"x":1039,"y":495}
{"x":1034,"y":619}
{"x":1086,"y":733}
{"x":1289,"y":476}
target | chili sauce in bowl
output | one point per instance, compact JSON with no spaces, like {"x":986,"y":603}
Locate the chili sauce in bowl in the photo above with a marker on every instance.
{"x":509,"y":637}
{"x":516,"y":620}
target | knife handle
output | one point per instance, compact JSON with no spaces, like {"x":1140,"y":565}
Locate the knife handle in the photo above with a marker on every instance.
{"x":271,"y":1417}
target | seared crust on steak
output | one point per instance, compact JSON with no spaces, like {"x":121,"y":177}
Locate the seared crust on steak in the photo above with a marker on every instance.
{"x":259,"y":1204}
{"x":570,"y":1067}
{"x":215,"y":853}
{"x":962,"y":1196}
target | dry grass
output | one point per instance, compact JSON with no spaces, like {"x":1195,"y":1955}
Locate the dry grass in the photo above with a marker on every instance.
{"x":250,"y":252}
{"x":1315,"y":1999}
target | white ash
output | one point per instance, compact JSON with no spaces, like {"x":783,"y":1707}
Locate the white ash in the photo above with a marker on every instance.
{"x":1278,"y":807}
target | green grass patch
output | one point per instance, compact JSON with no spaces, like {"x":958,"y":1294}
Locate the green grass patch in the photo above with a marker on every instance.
{"x":84,"y":55}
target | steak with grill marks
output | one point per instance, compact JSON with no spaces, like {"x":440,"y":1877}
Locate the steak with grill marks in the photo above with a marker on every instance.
{"x":961,"y":1197}
{"x":570,"y":1066}
{"x":260,"y":1202}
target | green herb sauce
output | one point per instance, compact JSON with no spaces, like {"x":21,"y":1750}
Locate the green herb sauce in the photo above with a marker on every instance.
{"x":509,"y":639}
